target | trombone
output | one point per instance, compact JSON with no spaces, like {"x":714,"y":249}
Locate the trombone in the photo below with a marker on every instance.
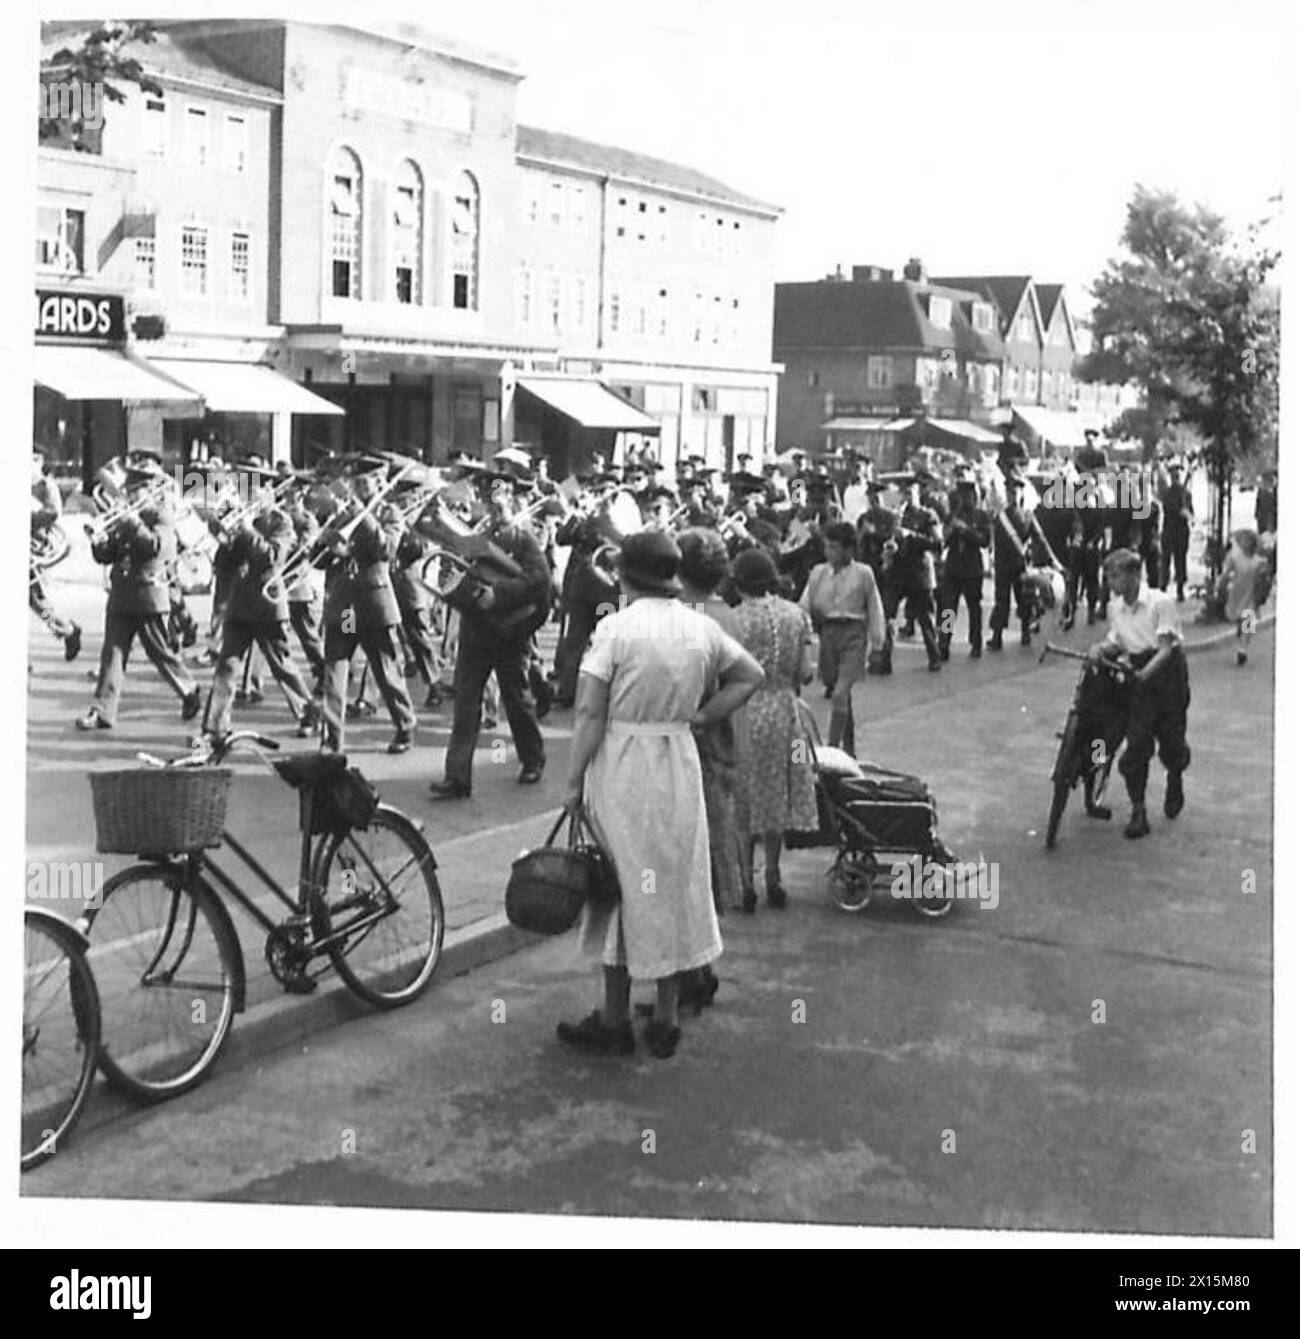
{"x":102,"y":526}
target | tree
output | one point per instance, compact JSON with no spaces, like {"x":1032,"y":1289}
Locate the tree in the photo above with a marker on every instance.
{"x":97,"y":61}
{"x":1189,"y":316}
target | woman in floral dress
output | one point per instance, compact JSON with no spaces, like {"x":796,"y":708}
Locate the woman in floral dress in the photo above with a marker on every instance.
{"x":775,"y":786}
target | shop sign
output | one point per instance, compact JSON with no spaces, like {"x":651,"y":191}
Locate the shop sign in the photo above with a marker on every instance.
{"x":85,"y":316}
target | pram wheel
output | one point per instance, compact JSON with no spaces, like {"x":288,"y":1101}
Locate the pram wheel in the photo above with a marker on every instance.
{"x":939,"y":904}
{"x":850,"y":879}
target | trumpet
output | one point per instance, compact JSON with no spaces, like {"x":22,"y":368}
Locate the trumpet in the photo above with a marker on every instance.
{"x":243,"y":514}
{"x":102,"y":526}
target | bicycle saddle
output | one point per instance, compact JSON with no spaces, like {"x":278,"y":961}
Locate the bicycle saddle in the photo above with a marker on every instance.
{"x":305,"y":771}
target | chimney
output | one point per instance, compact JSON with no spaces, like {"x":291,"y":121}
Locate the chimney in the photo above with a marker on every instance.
{"x":838,"y":276}
{"x":914,"y":270}
{"x":872,"y":274}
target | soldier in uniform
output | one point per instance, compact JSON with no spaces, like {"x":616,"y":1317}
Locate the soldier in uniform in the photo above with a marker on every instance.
{"x":1015,"y":532}
{"x":1148,"y":523}
{"x":494,"y":638}
{"x":47,"y":507}
{"x":360,"y":607}
{"x":415,"y":602}
{"x":306,"y":594}
{"x":140,"y":549}
{"x":258,"y":608}
{"x":588,"y":584}
{"x":1176,"y":531}
{"x":967,"y":534}
{"x":918,"y":536}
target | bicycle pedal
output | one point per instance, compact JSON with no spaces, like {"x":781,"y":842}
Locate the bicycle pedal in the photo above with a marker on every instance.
{"x":300,"y":985}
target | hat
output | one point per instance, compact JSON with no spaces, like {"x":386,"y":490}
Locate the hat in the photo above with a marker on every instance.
{"x":658,"y":493}
{"x":249,"y":462}
{"x":512,"y":460}
{"x":649,"y":561}
{"x":140,"y":458}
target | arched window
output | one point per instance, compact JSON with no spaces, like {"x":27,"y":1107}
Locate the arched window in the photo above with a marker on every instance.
{"x":408,"y":234}
{"x":343,"y":222}
{"x":464,"y":243}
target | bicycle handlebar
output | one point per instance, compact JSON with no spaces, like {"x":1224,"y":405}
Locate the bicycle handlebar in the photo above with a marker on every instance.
{"x":1119,"y":668}
{"x":216,"y":751}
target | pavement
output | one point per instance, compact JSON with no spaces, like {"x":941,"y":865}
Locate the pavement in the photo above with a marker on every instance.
{"x":956,"y":1073}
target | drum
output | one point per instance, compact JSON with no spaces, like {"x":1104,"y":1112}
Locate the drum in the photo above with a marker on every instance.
{"x":191,"y":530}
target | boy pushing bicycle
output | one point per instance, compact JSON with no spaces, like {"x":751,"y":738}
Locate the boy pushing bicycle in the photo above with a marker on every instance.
{"x":1144,"y":627}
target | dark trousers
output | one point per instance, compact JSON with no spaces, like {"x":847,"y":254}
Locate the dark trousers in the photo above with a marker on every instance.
{"x":1157,"y":721}
{"x":477,"y":657}
{"x":953,"y":591}
{"x":1151,"y":563}
{"x":380,"y":648}
{"x":1082,"y":576}
{"x":578,"y":624}
{"x":418,"y":628}
{"x":304,"y":619}
{"x":918,"y":607}
{"x":120,"y":630}
{"x":237,"y":639}
{"x":1007,"y":583}
{"x":38,"y":600}
{"x":1174,"y":557}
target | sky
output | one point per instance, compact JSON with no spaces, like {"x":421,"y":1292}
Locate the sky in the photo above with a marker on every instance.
{"x":982,"y":137}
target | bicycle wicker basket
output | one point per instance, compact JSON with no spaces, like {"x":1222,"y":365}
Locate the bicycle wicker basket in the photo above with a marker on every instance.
{"x":159,"y":811}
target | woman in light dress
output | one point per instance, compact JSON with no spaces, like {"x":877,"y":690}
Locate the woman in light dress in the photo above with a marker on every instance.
{"x":776,"y":786}
{"x":1244,"y":573}
{"x":655,"y":671}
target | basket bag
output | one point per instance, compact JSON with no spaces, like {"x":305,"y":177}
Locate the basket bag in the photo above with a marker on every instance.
{"x":549,"y":886}
{"x":159,"y":811}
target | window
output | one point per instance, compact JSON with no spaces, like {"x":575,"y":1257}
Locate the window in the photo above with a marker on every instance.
{"x":661,"y":313}
{"x":532,"y":201}
{"x":880,"y":371}
{"x":579,"y":302}
{"x":663,"y":225}
{"x":1031,"y":384}
{"x":553,"y":300}
{"x":194,"y":260}
{"x":555,"y":213}
{"x":982,"y":317}
{"x":344,"y":223}
{"x":464,"y":244}
{"x":1013,"y":382}
{"x":235,"y":144}
{"x":615,"y":308}
{"x":524,"y":295}
{"x":940,"y":311}
{"x":1025,"y":328}
{"x":60,"y":239}
{"x":196,"y":136}
{"x":408,"y":234}
{"x":578,"y":208}
{"x":697,"y":317}
{"x":146,"y":263}
{"x":240,"y":267}
{"x":155,"y":128}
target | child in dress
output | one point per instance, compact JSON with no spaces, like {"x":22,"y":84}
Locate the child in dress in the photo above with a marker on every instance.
{"x":1244,"y":574}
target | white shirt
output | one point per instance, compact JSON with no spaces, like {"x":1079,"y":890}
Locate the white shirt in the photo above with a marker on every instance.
{"x":1139,"y":626}
{"x":856,"y":501}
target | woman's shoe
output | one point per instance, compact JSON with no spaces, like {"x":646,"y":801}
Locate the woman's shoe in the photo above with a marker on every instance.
{"x":697,"y":989}
{"x":594,"y":1034}
{"x":660,"y":1039}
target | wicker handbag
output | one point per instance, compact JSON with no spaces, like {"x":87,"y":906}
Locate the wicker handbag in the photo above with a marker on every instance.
{"x":549,"y":886}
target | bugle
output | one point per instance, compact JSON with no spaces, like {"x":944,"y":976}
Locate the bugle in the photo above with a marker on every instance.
{"x":102,"y":526}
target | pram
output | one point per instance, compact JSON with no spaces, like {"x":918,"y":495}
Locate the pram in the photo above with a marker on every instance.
{"x":884,"y":826}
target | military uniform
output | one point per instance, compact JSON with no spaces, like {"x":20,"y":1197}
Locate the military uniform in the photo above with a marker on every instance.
{"x":253,"y":616}
{"x":912,"y":575}
{"x":415,"y":604}
{"x":361,"y":610}
{"x":47,"y":507}
{"x":1013,"y":534}
{"x":1175,"y":535}
{"x":497,"y":641}
{"x":305,"y":595}
{"x":967,"y":534}
{"x":140,"y":552}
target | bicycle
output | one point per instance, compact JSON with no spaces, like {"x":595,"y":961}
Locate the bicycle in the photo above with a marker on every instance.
{"x":1091,"y":737}
{"x":168,"y":957}
{"x":61,"y":1031}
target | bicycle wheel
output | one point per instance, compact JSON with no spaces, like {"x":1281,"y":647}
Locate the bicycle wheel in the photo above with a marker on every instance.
{"x":1065,"y":771}
{"x":60,"y":1036}
{"x":168,"y":962}
{"x":377,"y":890}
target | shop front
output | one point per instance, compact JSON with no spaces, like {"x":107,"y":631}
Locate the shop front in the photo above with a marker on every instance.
{"x":571,"y":420}
{"x":94,"y":397}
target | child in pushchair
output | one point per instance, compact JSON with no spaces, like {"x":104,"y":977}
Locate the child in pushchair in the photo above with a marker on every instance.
{"x":884,"y":825}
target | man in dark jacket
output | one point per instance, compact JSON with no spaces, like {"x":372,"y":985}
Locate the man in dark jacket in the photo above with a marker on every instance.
{"x":967,"y":533}
{"x":140,"y":550}
{"x":258,"y":609}
{"x":1176,"y":532}
{"x":1015,"y":532}
{"x":360,"y":607}
{"x":495,"y":633}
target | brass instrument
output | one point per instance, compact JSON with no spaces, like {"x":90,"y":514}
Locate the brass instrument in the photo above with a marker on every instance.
{"x":308,"y":554}
{"x":245,"y":512}
{"x":735,"y":527}
{"x":102,"y":526}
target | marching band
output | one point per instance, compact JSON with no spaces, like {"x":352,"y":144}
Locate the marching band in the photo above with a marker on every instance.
{"x":448,"y":573}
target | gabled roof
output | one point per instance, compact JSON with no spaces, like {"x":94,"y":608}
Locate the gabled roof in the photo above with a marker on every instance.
{"x":1048,"y":295}
{"x":163,"y":59}
{"x":1006,"y":290}
{"x":627,"y":165}
{"x":887,"y":314}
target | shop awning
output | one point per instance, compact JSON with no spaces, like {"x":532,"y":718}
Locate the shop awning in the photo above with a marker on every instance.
{"x":1056,"y":426}
{"x":245,"y":388}
{"x":960,"y":427}
{"x":846,"y":424}
{"x":79,"y":373}
{"x":588,"y":404}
